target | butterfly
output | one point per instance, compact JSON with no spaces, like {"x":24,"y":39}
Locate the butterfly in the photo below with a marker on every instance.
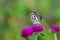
{"x":35,"y":17}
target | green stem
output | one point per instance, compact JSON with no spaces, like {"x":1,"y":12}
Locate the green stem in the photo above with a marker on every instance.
{"x":37,"y":34}
{"x":55,"y":36}
{"x":36,"y":37}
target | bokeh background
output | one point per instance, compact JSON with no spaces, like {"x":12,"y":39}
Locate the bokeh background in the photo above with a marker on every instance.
{"x":14,"y":15}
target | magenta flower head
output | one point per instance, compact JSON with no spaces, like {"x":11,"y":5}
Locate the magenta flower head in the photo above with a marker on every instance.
{"x":55,"y":28}
{"x":37,"y":28}
{"x":27,"y":31}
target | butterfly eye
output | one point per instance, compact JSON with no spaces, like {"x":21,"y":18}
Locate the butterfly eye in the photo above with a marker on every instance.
{"x":34,"y":17}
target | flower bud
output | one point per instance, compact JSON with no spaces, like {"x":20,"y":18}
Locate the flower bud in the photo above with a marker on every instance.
{"x":27,"y":31}
{"x":37,"y":28}
{"x":55,"y":28}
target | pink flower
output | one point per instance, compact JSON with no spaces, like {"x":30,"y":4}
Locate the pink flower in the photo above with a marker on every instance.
{"x":27,"y":31}
{"x":37,"y":28}
{"x":55,"y":28}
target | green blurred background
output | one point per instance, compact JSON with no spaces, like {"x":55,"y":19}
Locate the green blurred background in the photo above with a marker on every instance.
{"x":14,"y":15}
